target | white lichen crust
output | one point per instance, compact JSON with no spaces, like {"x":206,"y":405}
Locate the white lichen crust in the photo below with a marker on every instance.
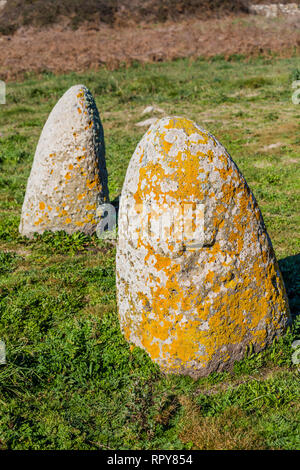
{"x":68,"y":179}
{"x":195,"y":308}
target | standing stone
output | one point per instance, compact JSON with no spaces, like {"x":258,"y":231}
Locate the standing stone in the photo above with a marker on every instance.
{"x":197,"y":278}
{"x":68,"y":179}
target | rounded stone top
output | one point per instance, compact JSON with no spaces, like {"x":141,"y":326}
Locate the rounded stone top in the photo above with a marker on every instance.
{"x":178,"y":163}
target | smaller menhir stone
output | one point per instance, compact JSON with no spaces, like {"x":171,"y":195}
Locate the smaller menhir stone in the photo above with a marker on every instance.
{"x":68,"y":179}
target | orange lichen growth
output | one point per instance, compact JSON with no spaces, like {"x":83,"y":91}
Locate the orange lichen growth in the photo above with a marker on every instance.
{"x":92,"y":183}
{"x":230,"y":317}
{"x":38,"y":222}
{"x":42,"y":206}
{"x":88,"y":218}
{"x":183,"y":322}
{"x":90,"y":207}
{"x":62,"y":213}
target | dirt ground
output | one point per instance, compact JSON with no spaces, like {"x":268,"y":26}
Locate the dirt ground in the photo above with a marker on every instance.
{"x":61,"y":50}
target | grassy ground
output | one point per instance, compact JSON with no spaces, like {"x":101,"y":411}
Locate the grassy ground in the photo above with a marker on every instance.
{"x":71,"y":381}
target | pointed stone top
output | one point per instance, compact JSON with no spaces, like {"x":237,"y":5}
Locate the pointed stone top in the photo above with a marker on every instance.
{"x":68,"y":179}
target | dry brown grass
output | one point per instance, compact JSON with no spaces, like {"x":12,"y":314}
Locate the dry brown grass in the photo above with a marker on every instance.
{"x":17,"y":13}
{"x":226,"y":432}
{"x":60,"y":50}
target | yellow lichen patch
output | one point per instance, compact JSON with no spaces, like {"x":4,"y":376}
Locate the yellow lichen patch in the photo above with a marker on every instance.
{"x":188,"y":127}
{"x":42,"y":206}
{"x":90,"y":207}
{"x":62,"y":213}
{"x":81,"y":196}
{"x":141,"y":157}
{"x":234,"y":317}
{"x":91,"y":184}
{"x":88,"y":218}
{"x":224,"y":172}
{"x":210,"y":276}
{"x":38,"y":222}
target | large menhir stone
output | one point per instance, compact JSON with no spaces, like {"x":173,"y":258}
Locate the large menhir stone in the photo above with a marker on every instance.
{"x":197,"y":278}
{"x":68,"y":179}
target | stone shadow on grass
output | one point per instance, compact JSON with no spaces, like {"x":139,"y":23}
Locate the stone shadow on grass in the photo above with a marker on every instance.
{"x":290,"y":269}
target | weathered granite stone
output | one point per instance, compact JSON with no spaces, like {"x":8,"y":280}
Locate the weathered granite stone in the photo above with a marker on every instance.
{"x":197,"y":278}
{"x":68,"y":179}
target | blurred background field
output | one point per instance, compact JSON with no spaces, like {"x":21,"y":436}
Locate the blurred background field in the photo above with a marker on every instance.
{"x":71,"y":35}
{"x":17,"y":13}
